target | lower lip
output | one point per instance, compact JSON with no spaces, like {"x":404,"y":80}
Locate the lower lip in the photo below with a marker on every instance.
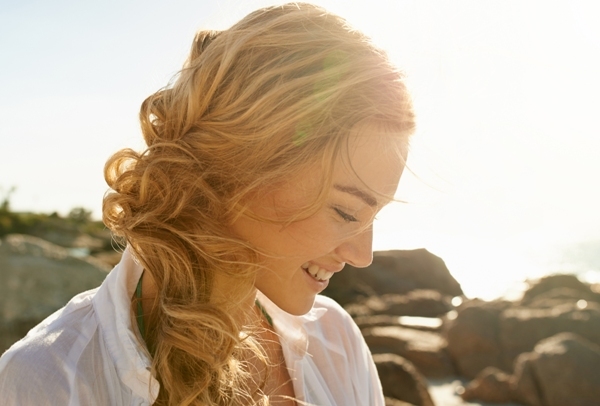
{"x":318,"y":286}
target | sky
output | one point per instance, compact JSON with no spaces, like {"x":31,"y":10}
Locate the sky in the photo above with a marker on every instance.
{"x":506,"y":95}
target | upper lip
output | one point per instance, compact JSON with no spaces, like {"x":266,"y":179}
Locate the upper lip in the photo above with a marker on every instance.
{"x":329,"y":268}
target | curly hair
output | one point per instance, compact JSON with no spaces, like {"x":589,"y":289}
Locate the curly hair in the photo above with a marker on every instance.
{"x":254,"y":104}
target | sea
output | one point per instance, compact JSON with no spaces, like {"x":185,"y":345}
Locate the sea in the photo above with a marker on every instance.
{"x":491,"y":268}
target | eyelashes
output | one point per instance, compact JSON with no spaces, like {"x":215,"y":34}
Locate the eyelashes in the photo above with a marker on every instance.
{"x":345,"y":216}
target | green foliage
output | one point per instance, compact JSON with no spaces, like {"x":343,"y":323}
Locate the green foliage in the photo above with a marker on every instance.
{"x":20,"y":223}
{"x":5,"y":199}
{"x":80,"y":215}
{"x":79,"y":219}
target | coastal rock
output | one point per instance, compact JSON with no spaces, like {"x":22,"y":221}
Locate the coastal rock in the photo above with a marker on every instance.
{"x":69,"y":236}
{"x":418,"y":323}
{"x":482,"y":334}
{"x":395,"y":271}
{"x":400,"y":380}
{"x":36,"y":279}
{"x":426,"y":350}
{"x":110,"y":258}
{"x":551,"y":282}
{"x":395,"y":402}
{"x":418,"y":303}
{"x":559,"y":296}
{"x":472,"y":334}
{"x":561,"y":370}
{"x":490,"y":385}
{"x":521,"y":327}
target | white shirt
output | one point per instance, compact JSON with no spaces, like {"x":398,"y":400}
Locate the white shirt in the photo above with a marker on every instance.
{"x":87,"y":353}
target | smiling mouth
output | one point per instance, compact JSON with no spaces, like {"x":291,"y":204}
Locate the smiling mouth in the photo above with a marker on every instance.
{"x":316,"y":272}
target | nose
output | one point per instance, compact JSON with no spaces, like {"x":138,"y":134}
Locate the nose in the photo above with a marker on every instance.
{"x":358,"y":250}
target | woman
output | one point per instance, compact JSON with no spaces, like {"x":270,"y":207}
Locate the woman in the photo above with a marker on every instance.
{"x":266,"y":162}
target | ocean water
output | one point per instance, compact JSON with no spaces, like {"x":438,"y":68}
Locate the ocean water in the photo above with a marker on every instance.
{"x":490,"y":268}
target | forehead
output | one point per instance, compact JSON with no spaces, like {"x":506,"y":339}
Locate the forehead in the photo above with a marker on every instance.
{"x":373,"y":162}
{"x":370,"y":163}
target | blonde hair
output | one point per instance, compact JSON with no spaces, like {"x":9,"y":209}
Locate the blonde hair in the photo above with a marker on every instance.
{"x":254,"y":104}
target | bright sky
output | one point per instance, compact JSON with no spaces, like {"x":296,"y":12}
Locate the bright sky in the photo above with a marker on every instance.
{"x":506,"y":93}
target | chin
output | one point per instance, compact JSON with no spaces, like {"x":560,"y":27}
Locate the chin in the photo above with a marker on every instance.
{"x":299,"y":309}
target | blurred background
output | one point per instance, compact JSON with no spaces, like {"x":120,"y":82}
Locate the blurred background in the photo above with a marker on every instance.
{"x":503,"y":172}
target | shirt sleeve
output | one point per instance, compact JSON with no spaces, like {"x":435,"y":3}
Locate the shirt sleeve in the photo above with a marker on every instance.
{"x":26,"y":379}
{"x":61,"y":362}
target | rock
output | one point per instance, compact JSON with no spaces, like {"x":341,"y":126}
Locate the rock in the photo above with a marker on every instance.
{"x":417,"y":323}
{"x":400,"y":380}
{"x":561,"y":370}
{"x":524,"y":384}
{"x":111,"y":258}
{"x":381,"y":320}
{"x":36,"y":279}
{"x":494,"y":333}
{"x":490,"y":385}
{"x":558,"y":296}
{"x":396,"y":272}
{"x":521,"y":328}
{"x":396,"y":402}
{"x":418,"y":303}
{"x":433,"y":324}
{"x":473,"y":336}
{"x":551,"y":282}
{"x":69,"y":238}
{"x":426,"y":350}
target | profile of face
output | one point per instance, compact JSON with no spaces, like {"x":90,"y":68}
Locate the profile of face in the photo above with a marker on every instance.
{"x":299,"y":258}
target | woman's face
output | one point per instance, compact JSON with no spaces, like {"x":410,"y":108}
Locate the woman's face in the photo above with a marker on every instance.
{"x":298,"y":259}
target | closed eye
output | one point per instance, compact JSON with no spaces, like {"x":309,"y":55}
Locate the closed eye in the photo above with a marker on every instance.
{"x":345,"y":216}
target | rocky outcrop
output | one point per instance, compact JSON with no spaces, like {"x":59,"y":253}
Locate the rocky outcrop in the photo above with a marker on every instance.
{"x":418,"y":303}
{"x":418,"y":323}
{"x":36,"y":279}
{"x":473,"y":335}
{"x":426,"y":350}
{"x":401,"y":381}
{"x":490,"y":385}
{"x":395,"y":272}
{"x":395,"y":402}
{"x":569,"y":285}
{"x":561,"y":370}
{"x":478,"y":339}
{"x":70,"y":234}
{"x":483,"y":334}
{"x":521,"y":328}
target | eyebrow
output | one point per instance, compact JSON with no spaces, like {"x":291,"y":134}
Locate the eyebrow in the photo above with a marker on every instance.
{"x":364,"y":196}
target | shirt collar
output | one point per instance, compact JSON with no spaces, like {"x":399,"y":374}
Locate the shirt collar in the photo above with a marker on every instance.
{"x":112,"y":304}
{"x":290,"y":328}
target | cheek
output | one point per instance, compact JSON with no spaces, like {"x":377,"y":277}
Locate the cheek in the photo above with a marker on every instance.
{"x":319,"y":234}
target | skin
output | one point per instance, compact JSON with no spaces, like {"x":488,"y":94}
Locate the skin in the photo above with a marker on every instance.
{"x":340,"y":232}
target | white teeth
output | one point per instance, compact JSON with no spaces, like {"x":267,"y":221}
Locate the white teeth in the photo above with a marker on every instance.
{"x":317,"y":272}
{"x":323,"y":274}
{"x":305,"y":266}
